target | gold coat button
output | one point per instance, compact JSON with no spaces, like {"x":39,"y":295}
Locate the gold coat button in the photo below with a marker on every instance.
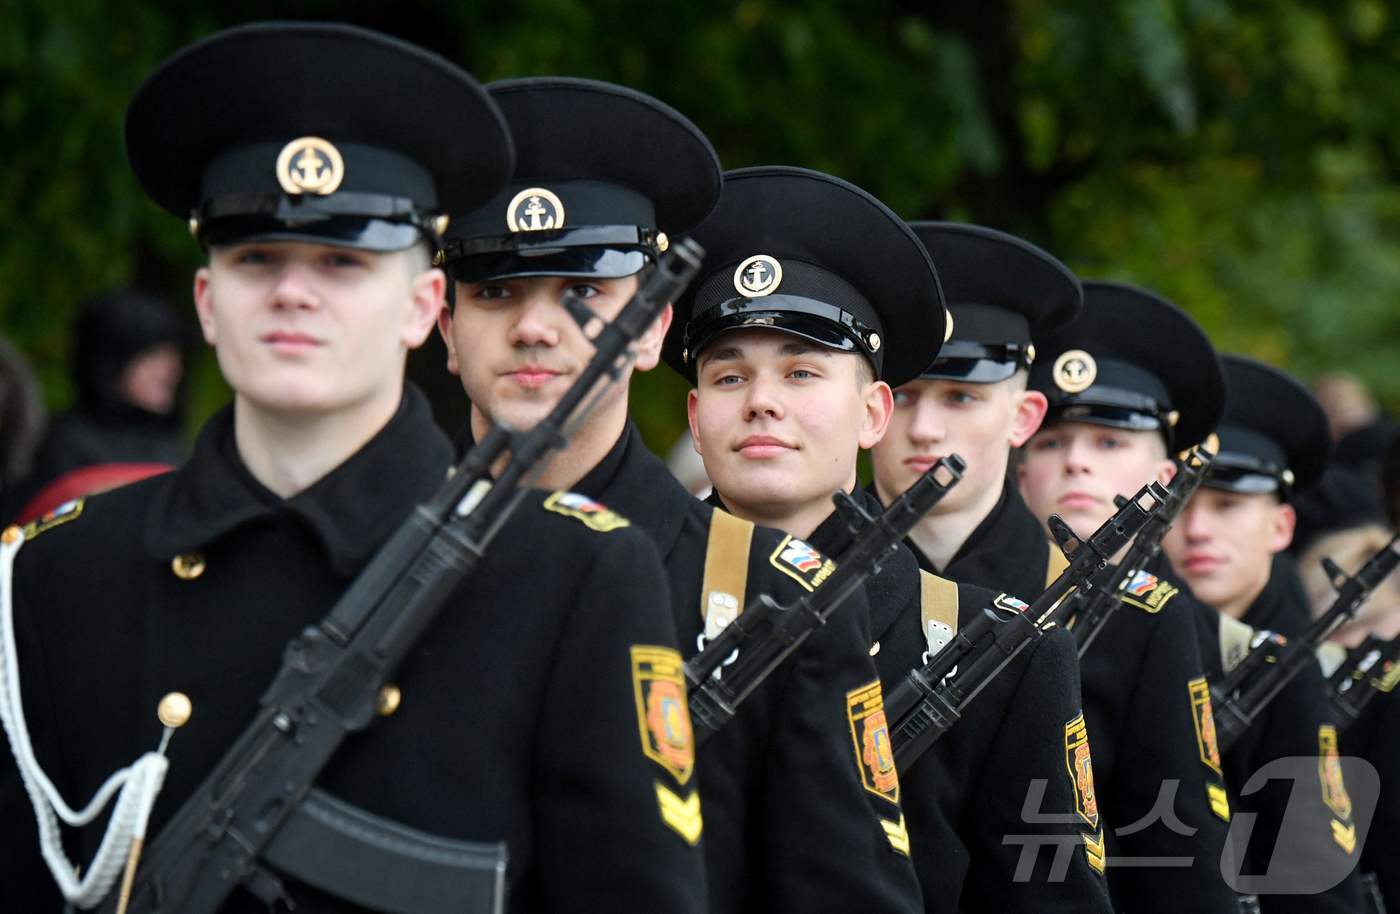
{"x":174,"y":710}
{"x":187,"y":565}
{"x":389,"y":698}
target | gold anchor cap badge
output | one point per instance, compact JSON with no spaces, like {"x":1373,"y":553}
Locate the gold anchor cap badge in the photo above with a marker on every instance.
{"x":758,"y":276}
{"x":1074,"y":371}
{"x":535,"y":209}
{"x":310,"y":165}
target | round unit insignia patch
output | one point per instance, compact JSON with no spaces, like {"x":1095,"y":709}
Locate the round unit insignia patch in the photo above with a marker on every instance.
{"x":535,"y":209}
{"x":310,"y":165}
{"x":1075,"y":371}
{"x":758,"y":276}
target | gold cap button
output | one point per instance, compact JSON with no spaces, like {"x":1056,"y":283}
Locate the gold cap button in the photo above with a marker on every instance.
{"x":187,"y":565}
{"x":389,"y":699}
{"x":12,"y":535}
{"x":174,"y":709}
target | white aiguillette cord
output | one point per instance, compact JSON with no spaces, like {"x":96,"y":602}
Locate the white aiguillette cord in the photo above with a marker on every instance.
{"x":139,"y":783}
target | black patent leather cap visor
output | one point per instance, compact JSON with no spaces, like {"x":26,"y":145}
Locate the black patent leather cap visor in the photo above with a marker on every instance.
{"x":821,"y":323}
{"x":1124,"y":417}
{"x":357,"y":233}
{"x":977,"y":363}
{"x":971,"y":371}
{"x":589,"y":262}
{"x":1245,"y":477}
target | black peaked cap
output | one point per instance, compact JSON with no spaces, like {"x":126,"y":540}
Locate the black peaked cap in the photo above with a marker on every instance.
{"x":417,"y":134}
{"x":1132,"y":360}
{"x":854,"y":276}
{"x":1273,"y":436}
{"x":603,"y":176}
{"x":1001,"y":291}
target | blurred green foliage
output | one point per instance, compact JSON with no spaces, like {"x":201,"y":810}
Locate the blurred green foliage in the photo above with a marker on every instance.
{"x":1241,"y":158}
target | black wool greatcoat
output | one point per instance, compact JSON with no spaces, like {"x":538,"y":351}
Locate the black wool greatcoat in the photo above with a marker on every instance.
{"x":518,"y":720}
{"x":967,"y":794}
{"x":789,"y":822}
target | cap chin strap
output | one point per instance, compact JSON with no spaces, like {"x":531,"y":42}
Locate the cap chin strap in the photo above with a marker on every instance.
{"x":139,"y":783}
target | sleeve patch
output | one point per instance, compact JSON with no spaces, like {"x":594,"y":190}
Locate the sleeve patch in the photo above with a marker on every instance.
{"x":801,"y":562}
{"x":663,"y":718}
{"x":870,"y":737}
{"x":1329,"y":772}
{"x":580,"y":507}
{"x":1148,"y":592}
{"x":1203,"y":715}
{"x":1080,"y":767}
{"x":65,"y":512}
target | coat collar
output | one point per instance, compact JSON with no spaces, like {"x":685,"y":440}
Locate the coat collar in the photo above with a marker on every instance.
{"x":632,"y":481}
{"x":351,"y":509}
{"x":637,"y":484}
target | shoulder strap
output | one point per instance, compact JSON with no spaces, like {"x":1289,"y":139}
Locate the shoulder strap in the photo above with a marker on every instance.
{"x":1056,"y":565}
{"x":1234,"y":641}
{"x":726,"y":570}
{"x":938,"y":609}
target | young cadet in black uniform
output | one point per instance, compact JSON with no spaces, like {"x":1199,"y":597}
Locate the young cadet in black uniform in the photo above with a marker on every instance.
{"x":1129,"y":381}
{"x":519,"y":716}
{"x":814,"y":299}
{"x":1273,"y":441}
{"x":603,"y":173}
{"x":1244,"y":516}
{"x":972,"y":400}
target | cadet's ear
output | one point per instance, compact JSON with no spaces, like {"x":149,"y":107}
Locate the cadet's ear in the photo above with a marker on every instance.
{"x":649,"y":343}
{"x":1281,"y":527}
{"x":444,"y":325}
{"x":425,"y":305}
{"x":204,"y":306}
{"x":1030,"y":410}
{"x":879,"y":407}
{"x":692,"y":405}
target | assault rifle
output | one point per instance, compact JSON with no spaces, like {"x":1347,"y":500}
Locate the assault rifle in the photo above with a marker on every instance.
{"x":765,"y":633}
{"x":1273,"y":660}
{"x":1367,"y":669}
{"x":1090,"y":610}
{"x":258,"y":809}
{"x":931,"y":699}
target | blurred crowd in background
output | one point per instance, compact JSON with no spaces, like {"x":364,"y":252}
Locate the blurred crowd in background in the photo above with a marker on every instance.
{"x":129,"y":355}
